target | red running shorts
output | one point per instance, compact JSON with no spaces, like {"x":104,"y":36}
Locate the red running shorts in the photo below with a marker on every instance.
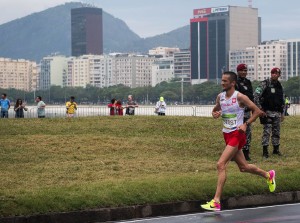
{"x":235,"y":139}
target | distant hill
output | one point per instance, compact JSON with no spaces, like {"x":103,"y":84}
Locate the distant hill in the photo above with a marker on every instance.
{"x":43,"y":33}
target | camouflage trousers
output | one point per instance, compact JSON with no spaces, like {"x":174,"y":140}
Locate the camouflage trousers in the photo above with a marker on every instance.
{"x":272,"y":127}
{"x":248,"y":131}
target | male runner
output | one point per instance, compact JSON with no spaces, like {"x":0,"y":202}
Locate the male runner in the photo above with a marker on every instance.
{"x":230,"y":106}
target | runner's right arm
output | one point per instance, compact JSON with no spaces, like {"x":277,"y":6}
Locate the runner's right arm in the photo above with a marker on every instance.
{"x":216,"y":112}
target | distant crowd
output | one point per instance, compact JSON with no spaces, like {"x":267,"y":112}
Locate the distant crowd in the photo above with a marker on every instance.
{"x":115,"y":107}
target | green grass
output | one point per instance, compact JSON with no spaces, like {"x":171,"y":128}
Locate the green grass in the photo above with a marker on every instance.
{"x":50,"y":165}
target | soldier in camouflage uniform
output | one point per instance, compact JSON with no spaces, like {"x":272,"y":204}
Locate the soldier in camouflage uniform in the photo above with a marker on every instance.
{"x":269,"y":97}
{"x":244,"y":86}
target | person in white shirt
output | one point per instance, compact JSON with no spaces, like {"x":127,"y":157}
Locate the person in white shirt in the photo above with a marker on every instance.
{"x":230,"y":105}
{"x":40,"y":107}
{"x":161,"y":106}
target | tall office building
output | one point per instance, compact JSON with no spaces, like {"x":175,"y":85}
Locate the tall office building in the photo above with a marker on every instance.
{"x":216,"y":31}
{"x":86,"y":31}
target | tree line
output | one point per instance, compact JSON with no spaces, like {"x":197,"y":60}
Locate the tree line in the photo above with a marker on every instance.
{"x":204,"y":93}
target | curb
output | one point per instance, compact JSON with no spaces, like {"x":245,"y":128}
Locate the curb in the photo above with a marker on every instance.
{"x":145,"y":211}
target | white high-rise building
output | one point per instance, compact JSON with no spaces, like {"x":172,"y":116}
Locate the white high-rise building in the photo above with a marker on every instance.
{"x":96,"y":70}
{"x":271,"y":54}
{"x":86,"y":70}
{"x":182,"y":64}
{"x":162,"y":70}
{"x":19,"y":74}
{"x":78,"y":72}
{"x":52,"y":71}
{"x":132,"y":70}
{"x":261,"y":59}
{"x":247,"y":56}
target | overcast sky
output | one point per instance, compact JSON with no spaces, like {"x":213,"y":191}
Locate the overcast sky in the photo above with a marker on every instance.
{"x":280,"y":19}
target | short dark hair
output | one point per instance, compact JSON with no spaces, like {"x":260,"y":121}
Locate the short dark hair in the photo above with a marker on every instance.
{"x":39,"y":97}
{"x":72,"y":97}
{"x":232,"y":75}
{"x":4,"y":94}
{"x":113,"y":100}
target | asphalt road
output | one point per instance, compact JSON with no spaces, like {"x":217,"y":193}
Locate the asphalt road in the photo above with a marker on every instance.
{"x":289,"y":213}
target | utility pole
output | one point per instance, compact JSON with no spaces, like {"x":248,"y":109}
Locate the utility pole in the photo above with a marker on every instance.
{"x":182,"y":81}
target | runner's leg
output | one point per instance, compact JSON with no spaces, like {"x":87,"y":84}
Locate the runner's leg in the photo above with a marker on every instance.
{"x":225,"y":158}
{"x":240,"y":160}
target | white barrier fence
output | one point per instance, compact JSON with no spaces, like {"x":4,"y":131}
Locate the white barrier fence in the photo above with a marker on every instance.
{"x":85,"y":111}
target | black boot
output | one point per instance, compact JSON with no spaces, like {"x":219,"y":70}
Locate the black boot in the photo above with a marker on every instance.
{"x":276,"y":151}
{"x":265,"y":152}
{"x":246,"y":154}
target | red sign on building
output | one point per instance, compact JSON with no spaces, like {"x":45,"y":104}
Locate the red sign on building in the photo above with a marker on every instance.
{"x":204,"y":11}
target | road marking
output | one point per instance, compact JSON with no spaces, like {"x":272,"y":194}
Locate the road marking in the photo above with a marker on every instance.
{"x":210,"y":213}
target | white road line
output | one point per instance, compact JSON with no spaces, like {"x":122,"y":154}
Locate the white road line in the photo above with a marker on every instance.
{"x":205,"y":213}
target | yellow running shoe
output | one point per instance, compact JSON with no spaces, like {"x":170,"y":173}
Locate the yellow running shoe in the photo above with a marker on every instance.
{"x":271,"y":180}
{"x":212,"y":206}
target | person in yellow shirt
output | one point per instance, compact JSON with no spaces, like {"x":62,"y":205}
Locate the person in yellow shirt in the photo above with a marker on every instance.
{"x":71,"y":107}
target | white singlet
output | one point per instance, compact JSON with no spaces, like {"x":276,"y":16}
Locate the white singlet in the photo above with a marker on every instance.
{"x":232,"y":113}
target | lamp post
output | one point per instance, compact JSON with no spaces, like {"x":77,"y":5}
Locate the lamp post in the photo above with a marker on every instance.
{"x":181,"y":90}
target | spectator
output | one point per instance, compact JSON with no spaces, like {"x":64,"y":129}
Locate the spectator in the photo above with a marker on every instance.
{"x":161,"y":106}
{"x":40,"y":107}
{"x":19,"y":109}
{"x":113,"y":107}
{"x":119,"y":107}
{"x":71,"y":107}
{"x":130,"y":106}
{"x":287,"y":104}
{"x":5,"y":105}
{"x":268,"y":96}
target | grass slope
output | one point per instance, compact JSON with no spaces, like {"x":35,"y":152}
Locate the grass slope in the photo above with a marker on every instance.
{"x":50,"y":165}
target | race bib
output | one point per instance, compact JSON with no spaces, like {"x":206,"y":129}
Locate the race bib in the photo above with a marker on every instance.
{"x":229,"y":121}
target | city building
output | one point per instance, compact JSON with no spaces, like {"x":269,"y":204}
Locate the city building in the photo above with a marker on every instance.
{"x":271,"y":54}
{"x":52,"y":71}
{"x":86,"y":31}
{"x":162,"y":70}
{"x":132,"y":70}
{"x":182,"y":64}
{"x":215,"y":32}
{"x":247,"y":56}
{"x":261,"y":59}
{"x":163,"y":51}
{"x":94,"y":70}
{"x":19,"y":74}
{"x":293,"y":58}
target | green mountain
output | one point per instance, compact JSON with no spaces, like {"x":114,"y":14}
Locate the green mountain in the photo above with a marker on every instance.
{"x":47,"y":32}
